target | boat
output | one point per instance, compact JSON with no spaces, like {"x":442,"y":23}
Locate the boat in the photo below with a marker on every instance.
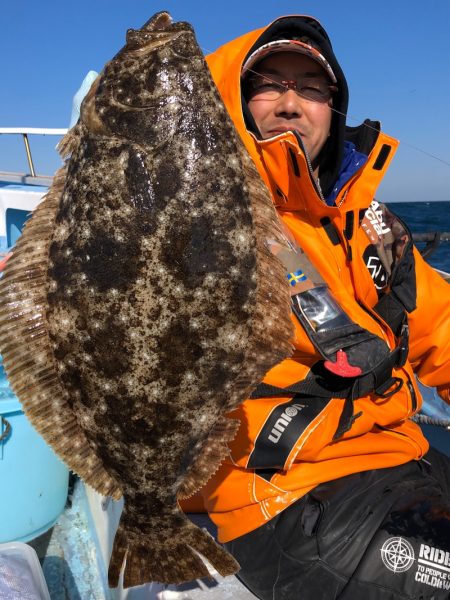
{"x":75,"y":544}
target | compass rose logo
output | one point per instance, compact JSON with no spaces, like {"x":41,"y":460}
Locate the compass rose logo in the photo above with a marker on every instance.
{"x":397,"y":554}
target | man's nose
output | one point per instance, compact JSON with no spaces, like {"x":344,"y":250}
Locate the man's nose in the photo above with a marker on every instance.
{"x":289,"y":103}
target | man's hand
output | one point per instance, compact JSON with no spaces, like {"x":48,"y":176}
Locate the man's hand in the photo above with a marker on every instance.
{"x":444,"y":392}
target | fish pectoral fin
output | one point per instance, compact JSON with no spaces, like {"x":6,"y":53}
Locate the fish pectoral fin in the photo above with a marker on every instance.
{"x":169,"y":555}
{"x":70,"y":142}
{"x":210,"y":456}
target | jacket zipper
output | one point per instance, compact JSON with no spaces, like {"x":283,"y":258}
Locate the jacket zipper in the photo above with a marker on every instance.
{"x":308,"y":162}
{"x":316,"y":185}
{"x":412,"y":393}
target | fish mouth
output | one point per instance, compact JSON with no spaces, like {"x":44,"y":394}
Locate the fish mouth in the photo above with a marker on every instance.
{"x":160,"y":21}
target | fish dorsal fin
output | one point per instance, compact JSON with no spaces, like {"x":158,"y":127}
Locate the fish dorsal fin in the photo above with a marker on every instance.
{"x":27,"y":350}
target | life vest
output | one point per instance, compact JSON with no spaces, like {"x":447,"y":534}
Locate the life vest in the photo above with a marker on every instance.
{"x":356,"y":361}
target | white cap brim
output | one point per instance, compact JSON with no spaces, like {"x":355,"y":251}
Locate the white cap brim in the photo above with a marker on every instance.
{"x":287,"y":46}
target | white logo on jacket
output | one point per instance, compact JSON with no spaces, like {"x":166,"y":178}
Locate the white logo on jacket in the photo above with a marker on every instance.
{"x":433,"y":564}
{"x":373,"y":219}
{"x":377,"y":272}
{"x":397,"y":554}
{"x":434,"y":567}
{"x":283,"y":421}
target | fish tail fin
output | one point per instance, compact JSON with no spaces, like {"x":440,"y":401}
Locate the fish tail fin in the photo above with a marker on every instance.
{"x":168,"y":555}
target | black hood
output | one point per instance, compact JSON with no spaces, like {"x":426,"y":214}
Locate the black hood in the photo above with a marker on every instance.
{"x":331,"y":155}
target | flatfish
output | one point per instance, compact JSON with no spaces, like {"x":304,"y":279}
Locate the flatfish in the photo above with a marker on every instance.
{"x":142,"y":304}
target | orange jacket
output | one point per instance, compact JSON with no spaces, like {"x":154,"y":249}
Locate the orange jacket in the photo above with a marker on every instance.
{"x":239,"y":498}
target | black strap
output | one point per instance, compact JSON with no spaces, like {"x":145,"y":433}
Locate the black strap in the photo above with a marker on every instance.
{"x":349,"y":222}
{"x":321,"y":385}
{"x":282,"y":430}
{"x":346,"y":419}
{"x":309,"y":387}
{"x":392,"y":311}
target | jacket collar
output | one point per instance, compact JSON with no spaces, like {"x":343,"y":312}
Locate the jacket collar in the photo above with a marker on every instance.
{"x":285,"y":170}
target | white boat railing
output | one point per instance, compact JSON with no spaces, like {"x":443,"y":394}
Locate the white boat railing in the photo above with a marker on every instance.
{"x":25,"y":132}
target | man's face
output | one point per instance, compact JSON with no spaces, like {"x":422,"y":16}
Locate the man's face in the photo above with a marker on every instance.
{"x":289,"y":111}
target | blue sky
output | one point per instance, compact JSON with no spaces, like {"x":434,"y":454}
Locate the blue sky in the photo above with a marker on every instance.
{"x":394,"y":52}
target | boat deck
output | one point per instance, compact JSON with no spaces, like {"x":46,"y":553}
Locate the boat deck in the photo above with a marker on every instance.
{"x":68,"y":553}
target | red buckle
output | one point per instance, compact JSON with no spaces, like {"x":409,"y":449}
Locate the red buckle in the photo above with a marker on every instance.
{"x":342,"y":367}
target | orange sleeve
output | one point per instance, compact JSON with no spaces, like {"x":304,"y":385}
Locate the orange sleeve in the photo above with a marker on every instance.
{"x":430,"y":327}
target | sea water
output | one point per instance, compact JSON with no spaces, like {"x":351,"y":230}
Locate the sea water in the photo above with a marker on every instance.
{"x":423,"y":217}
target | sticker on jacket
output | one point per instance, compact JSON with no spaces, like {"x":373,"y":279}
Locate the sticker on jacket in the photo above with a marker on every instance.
{"x":430,"y":567}
{"x":374,"y":223}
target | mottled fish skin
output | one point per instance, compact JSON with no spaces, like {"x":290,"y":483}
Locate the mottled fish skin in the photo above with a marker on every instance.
{"x":151,"y":287}
{"x":154,"y":289}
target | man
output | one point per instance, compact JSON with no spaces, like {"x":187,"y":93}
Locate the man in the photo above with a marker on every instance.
{"x":326,"y":493}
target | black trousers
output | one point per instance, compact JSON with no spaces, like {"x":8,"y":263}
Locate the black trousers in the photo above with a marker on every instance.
{"x":378,"y":535}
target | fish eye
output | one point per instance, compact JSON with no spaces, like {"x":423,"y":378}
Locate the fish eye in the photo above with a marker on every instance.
{"x":132,"y":36}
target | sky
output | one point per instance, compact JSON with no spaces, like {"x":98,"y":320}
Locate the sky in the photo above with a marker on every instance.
{"x":394,"y":53}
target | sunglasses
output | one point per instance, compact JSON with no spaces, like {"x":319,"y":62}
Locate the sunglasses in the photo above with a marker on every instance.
{"x":271,"y":87}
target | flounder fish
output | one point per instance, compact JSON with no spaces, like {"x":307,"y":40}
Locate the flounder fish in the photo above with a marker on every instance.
{"x":142,"y":304}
